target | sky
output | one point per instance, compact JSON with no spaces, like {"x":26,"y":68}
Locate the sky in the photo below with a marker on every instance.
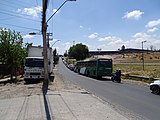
{"x":98,"y":24}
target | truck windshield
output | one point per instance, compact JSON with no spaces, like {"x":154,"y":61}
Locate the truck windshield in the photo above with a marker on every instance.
{"x":34,"y":62}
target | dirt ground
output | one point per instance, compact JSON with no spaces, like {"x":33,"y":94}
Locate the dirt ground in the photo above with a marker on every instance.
{"x":21,"y":89}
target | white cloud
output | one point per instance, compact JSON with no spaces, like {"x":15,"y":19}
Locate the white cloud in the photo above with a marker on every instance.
{"x":28,"y":36}
{"x":115,"y":42}
{"x":108,"y":43}
{"x":153,"y":23}
{"x":105,"y":38}
{"x":152,"y":30}
{"x":93,"y":36}
{"x":110,"y":39}
{"x":141,"y":35}
{"x":150,"y":40}
{"x":33,"y":11}
{"x":136,"y":15}
{"x":81,"y":27}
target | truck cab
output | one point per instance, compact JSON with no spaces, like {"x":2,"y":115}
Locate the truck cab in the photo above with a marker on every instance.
{"x":34,"y":68}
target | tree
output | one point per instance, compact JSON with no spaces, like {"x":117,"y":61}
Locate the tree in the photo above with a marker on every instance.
{"x":11,"y":52}
{"x":55,"y":56}
{"x":123,"y":48}
{"x":78,"y":52}
{"x":65,"y":54}
{"x":151,"y":47}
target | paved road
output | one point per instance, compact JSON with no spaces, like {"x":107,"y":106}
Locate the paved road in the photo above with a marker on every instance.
{"x":131,"y":97}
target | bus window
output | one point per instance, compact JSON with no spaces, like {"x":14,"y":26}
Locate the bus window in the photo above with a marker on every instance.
{"x":105,"y":63}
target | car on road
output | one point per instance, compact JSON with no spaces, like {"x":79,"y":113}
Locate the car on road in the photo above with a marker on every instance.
{"x":155,"y":87}
{"x":71,"y":66}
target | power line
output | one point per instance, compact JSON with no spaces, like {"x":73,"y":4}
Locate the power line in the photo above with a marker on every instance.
{"x":6,"y":13}
{"x":20,"y":26}
{"x":6,"y":18}
{"x":12,"y":6}
{"x":20,"y":3}
{"x":13,"y":3}
{"x":27,"y":2}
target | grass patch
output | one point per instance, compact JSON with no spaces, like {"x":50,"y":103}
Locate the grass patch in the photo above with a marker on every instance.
{"x":151,"y":71}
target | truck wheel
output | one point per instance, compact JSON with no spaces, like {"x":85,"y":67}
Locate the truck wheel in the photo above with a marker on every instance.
{"x":155,"y":89}
{"x":26,"y":81}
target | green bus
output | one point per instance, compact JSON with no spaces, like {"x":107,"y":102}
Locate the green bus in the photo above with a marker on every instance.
{"x":96,"y":67}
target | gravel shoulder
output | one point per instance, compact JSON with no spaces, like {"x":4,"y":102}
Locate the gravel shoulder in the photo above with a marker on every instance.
{"x":21,"y":89}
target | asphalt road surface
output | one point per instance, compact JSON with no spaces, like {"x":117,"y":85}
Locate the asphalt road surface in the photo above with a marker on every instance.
{"x":125,"y":97}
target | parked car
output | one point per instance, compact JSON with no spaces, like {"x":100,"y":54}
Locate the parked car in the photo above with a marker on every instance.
{"x":71,"y":67}
{"x":155,"y":87}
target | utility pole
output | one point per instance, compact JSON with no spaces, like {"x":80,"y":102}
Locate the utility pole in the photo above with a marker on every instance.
{"x":44,"y":30}
{"x":143,"y":54}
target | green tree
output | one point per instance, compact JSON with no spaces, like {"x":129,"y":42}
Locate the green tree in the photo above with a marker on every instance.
{"x":65,"y":54}
{"x":123,"y":50}
{"x":78,"y":51}
{"x":11,"y":52}
{"x":55,"y":56}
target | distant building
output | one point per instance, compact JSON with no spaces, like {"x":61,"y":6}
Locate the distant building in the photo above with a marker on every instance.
{"x":128,"y":50}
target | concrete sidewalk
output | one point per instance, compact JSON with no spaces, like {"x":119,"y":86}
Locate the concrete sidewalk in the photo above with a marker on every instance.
{"x":57,"y":105}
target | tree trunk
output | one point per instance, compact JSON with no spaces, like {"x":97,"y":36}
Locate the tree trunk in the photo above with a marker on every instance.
{"x":12,"y":74}
{"x":12,"y":71}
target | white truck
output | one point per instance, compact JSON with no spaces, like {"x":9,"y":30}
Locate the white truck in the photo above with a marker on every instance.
{"x":34,"y":64}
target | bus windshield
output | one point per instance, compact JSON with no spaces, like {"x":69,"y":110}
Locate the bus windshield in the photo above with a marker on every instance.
{"x":105,"y":63}
{"x":34,"y":62}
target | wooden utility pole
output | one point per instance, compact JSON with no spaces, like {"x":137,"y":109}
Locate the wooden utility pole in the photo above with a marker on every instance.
{"x":44,"y":30}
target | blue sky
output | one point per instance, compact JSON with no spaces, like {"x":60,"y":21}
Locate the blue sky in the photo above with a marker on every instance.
{"x":99,"y":24}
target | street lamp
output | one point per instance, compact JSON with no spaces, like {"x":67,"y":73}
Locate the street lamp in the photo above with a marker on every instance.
{"x":143,"y":54}
{"x":58,"y":9}
{"x":55,"y":43}
{"x":34,"y":33}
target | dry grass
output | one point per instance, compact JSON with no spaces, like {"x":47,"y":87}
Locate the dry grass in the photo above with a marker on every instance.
{"x":149,"y":57}
{"x":151,"y":71}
